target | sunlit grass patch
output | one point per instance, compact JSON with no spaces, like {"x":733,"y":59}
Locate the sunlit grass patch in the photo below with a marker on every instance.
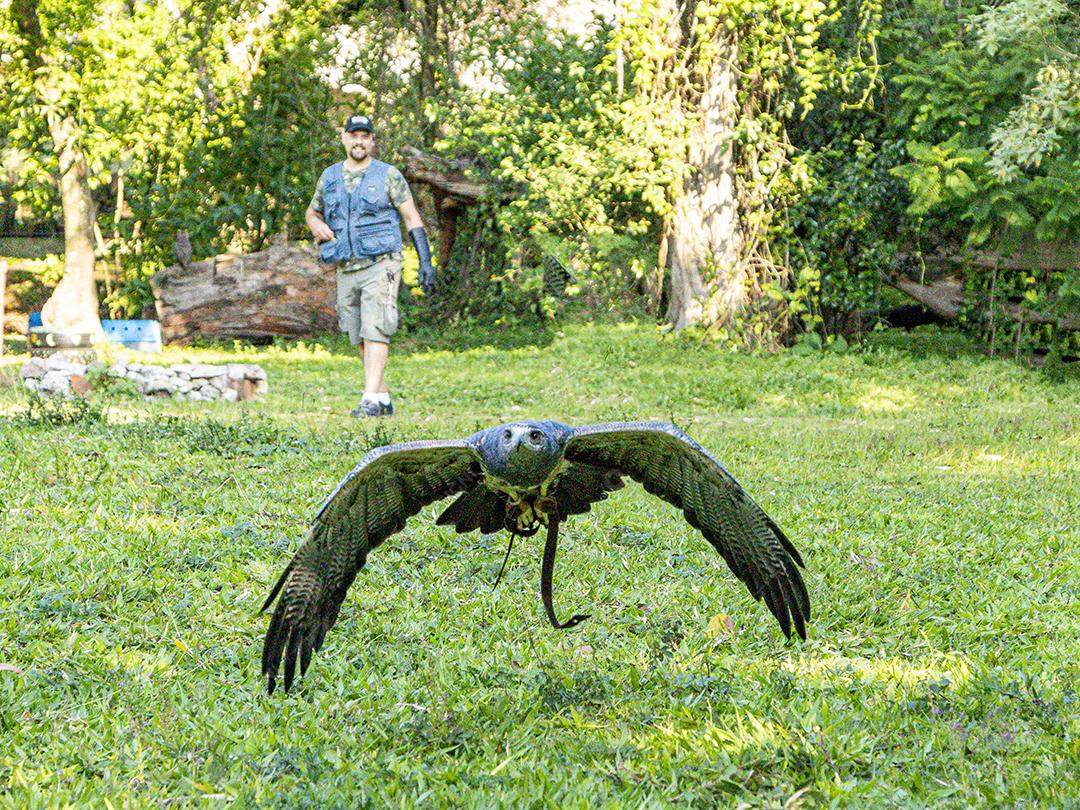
{"x":882,"y":399}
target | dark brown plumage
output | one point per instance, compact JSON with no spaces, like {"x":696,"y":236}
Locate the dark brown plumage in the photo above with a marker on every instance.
{"x":519,"y":477}
{"x":182,"y":249}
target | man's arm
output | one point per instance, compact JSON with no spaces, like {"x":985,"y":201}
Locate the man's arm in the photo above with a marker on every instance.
{"x":415,"y":225}
{"x":319,"y":229}
{"x":410,"y":215}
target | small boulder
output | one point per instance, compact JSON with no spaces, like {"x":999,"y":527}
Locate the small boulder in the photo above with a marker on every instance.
{"x":33,"y":369}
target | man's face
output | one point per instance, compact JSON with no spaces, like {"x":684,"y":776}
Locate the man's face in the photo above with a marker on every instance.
{"x":358,"y":144}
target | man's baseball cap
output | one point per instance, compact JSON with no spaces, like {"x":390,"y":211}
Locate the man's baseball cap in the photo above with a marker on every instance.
{"x":359,"y":122}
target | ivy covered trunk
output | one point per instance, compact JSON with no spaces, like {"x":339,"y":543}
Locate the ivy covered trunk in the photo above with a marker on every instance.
{"x":73,"y":306}
{"x":708,"y":277}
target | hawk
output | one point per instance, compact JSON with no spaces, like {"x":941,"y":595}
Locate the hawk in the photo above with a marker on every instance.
{"x":520,"y":477}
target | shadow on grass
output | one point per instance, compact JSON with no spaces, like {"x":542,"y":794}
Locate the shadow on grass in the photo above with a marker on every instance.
{"x":424,"y":338}
{"x":460,"y":338}
{"x":929,"y":340}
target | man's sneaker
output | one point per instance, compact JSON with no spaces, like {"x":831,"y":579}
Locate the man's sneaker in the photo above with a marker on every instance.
{"x":369,"y":408}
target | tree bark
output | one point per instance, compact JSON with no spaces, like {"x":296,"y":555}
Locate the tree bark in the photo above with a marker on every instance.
{"x":945,"y":296}
{"x":73,"y":306}
{"x":3,"y":287}
{"x":452,"y":191}
{"x":708,"y":278}
{"x":442,"y":175}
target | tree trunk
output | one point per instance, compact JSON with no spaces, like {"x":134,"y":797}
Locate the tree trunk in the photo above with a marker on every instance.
{"x":429,"y":45}
{"x":708,"y":279}
{"x":452,"y":189}
{"x":3,"y":286}
{"x":73,"y":306}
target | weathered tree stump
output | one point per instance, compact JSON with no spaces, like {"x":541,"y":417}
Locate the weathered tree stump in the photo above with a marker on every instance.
{"x":452,"y":189}
{"x":282,"y":291}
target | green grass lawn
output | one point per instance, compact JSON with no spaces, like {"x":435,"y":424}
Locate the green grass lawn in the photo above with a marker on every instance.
{"x":934,"y":496}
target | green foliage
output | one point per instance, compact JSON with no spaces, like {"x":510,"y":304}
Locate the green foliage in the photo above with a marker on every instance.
{"x":991,"y":108}
{"x":841,"y":234}
{"x":932,"y":492}
{"x":56,"y":411}
{"x":216,"y":118}
{"x":990,"y":105}
{"x":194,"y":115}
{"x":585,"y":168}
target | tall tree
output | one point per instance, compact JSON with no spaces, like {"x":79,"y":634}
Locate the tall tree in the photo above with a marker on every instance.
{"x":722,"y":78}
{"x":685,"y":70}
{"x":708,"y":277}
{"x":73,"y":305}
{"x":169,"y":115}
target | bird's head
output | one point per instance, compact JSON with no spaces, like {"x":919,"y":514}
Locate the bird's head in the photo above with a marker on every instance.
{"x":523,"y":454}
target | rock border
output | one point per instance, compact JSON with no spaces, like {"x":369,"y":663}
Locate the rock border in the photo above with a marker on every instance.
{"x":234,"y":382}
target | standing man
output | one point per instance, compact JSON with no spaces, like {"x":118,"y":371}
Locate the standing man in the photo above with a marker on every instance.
{"x":356,"y":217}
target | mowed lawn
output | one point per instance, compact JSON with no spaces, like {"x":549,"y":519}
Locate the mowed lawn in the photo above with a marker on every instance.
{"x":934,"y":496}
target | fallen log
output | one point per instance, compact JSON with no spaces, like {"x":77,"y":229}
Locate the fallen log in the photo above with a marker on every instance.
{"x":282,"y":291}
{"x":945,"y":296}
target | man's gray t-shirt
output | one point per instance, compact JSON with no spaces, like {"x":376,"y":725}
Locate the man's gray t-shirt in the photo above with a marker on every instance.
{"x":397,"y":189}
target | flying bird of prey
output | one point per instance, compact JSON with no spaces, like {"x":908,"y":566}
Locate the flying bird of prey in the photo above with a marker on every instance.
{"x":519,"y":477}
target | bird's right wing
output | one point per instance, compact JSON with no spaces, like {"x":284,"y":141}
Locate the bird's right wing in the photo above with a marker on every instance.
{"x":373,"y":501}
{"x":672,"y":466}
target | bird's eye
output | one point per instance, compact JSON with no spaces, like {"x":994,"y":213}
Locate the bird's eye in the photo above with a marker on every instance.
{"x":507,"y":434}
{"x":536,"y":435}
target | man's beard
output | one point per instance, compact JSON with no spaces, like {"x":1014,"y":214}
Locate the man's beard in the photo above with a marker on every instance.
{"x":361,"y":150}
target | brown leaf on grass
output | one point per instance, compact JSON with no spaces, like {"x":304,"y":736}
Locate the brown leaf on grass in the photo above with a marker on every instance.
{"x":720,"y":626}
{"x":10,"y":668}
{"x":80,"y":385}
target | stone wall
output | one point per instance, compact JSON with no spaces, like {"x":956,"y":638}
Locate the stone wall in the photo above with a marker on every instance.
{"x":55,"y":376}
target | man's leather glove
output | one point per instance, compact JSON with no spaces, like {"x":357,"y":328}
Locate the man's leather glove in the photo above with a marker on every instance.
{"x":423,"y":251}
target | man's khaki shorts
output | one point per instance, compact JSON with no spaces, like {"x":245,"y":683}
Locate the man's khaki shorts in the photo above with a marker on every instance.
{"x":367,"y":301}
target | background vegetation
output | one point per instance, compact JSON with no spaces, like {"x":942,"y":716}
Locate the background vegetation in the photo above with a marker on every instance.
{"x":864,"y":138}
{"x":933,"y":494}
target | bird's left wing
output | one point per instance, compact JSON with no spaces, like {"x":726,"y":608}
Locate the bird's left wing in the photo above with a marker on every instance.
{"x":389,"y":485}
{"x":672,"y":466}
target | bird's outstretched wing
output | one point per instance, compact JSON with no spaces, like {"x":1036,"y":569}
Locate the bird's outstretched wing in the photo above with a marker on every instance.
{"x":672,"y":466}
{"x":389,"y":485}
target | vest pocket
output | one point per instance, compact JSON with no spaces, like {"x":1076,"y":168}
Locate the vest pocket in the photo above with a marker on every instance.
{"x":330,"y":251}
{"x":333,"y":205}
{"x":378,"y":240}
{"x":374,"y":197}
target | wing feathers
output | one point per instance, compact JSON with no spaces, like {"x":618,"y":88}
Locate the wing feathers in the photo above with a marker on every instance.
{"x":373,"y":502}
{"x":672,"y":466}
{"x":392,"y":483}
{"x":479,"y":508}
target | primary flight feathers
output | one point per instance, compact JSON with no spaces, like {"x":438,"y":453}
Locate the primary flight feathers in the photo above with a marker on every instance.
{"x":519,"y":477}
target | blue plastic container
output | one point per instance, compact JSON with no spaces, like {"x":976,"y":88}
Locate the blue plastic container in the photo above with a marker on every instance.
{"x":138,"y":335}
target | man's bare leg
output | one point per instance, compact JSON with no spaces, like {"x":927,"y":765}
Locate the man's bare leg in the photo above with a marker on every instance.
{"x":373,"y":355}
{"x":376,"y":398}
